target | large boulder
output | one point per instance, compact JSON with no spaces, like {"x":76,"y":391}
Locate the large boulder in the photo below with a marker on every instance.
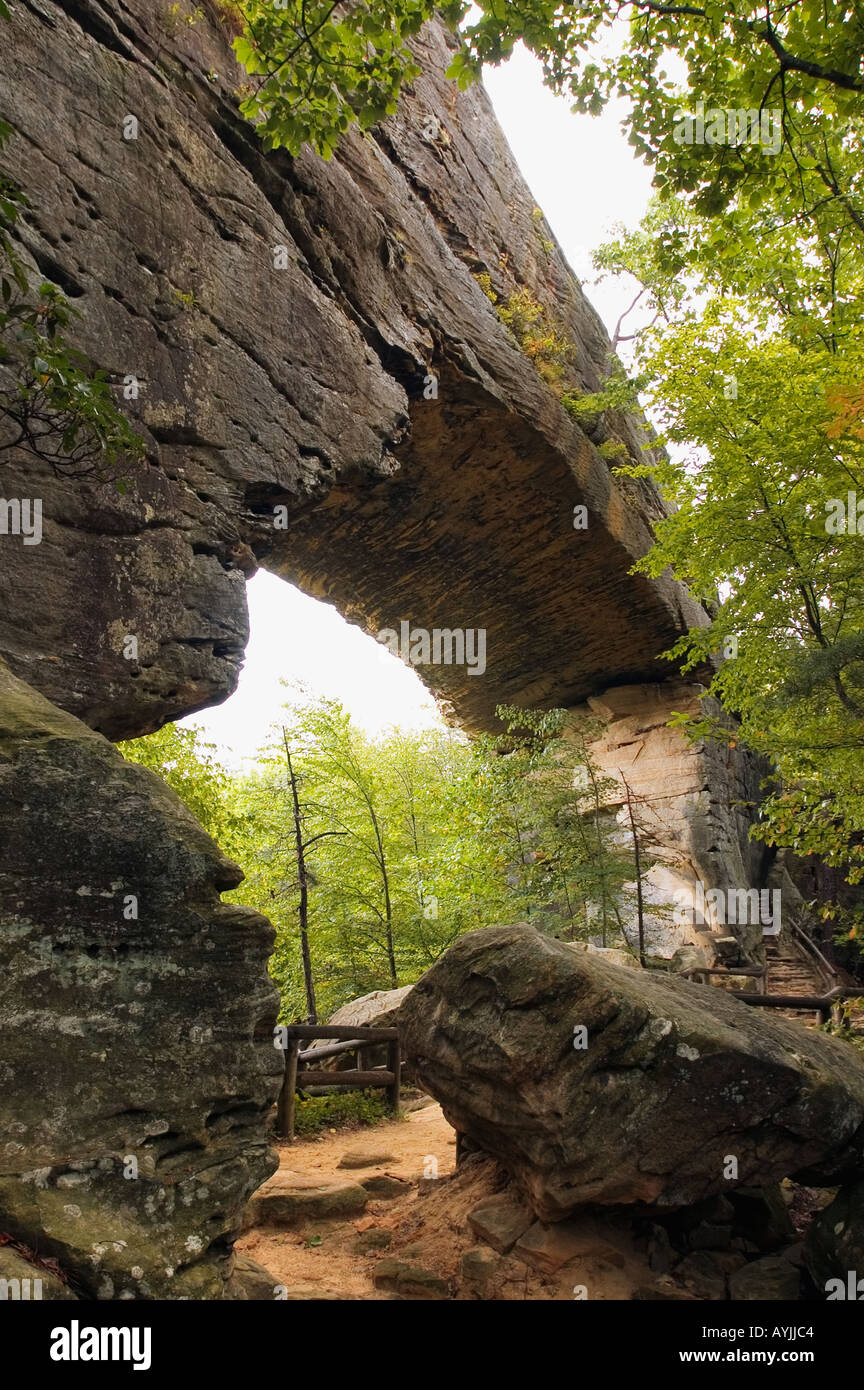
{"x":376,"y":1010}
{"x":596,"y":1084}
{"x":137,"y":1065}
{"x":834,"y":1247}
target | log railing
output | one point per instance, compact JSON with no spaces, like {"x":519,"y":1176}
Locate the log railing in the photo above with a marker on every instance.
{"x":820,"y":1004}
{"x":299,"y":1074}
{"x":830,"y":974}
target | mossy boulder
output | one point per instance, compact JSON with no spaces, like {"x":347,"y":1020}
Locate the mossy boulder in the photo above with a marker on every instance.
{"x":597,"y":1084}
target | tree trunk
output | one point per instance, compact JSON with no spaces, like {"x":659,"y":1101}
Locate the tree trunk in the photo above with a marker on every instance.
{"x":311,"y":1005}
{"x":639,"y":906}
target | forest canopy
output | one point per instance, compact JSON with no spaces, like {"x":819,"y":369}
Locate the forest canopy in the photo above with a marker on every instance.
{"x":370,"y":856}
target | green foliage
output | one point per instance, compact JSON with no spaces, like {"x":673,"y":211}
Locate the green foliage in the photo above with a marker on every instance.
{"x":320,"y":67}
{"x":410,"y":840}
{"x":537,"y":334}
{"x":547,"y":813}
{"x":844,"y":1025}
{"x":484,"y":280}
{"x":189,"y":766}
{"x":753,"y":372}
{"x":53,"y":404}
{"x":314,"y":1114}
{"x":393,"y":878}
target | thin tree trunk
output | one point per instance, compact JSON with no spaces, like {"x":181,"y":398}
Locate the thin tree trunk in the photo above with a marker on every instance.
{"x":601,"y":855}
{"x":522,"y":860}
{"x":311,"y":1005}
{"x":388,"y":908}
{"x":639,"y":906}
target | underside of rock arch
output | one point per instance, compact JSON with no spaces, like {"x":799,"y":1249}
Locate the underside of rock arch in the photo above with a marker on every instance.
{"x":281,"y":321}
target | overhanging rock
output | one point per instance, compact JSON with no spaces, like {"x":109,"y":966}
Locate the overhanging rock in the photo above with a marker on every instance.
{"x":278,"y":319}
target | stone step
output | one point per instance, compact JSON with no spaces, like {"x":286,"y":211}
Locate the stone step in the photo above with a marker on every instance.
{"x":289,"y":1198}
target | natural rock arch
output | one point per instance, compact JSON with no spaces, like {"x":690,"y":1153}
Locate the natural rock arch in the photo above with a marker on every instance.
{"x":261,"y":388}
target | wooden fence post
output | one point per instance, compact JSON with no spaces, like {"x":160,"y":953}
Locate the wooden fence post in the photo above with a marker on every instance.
{"x":394,"y":1065}
{"x":287,"y":1096}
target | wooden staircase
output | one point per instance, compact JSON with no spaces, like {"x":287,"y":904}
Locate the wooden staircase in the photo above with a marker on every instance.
{"x":792,"y":971}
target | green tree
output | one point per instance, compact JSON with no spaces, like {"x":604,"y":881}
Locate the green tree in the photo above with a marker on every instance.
{"x":550,"y":815}
{"x":319,"y":67}
{"x":755,"y":381}
{"x":182,"y":758}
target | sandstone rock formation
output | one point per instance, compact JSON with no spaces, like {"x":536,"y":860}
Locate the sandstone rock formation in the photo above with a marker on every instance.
{"x":668,"y":1083}
{"x":286,"y":425}
{"x":375,"y":1010}
{"x":379,"y":1009}
{"x":694,"y":804}
{"x":303,"y":387}
{"x":137,"y":1061}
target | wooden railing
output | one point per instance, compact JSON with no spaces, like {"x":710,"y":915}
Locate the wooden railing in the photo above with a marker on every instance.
{"x":299,"y":1075}
{"x":829,"y":972}
{"x":820,"y":1004}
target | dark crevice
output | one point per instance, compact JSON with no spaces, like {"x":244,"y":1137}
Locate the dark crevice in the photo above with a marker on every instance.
{"x":90,"y":16}
{"x":54,"y":271}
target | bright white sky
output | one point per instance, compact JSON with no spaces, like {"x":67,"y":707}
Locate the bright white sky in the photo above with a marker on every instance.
{"x":586,"y":178}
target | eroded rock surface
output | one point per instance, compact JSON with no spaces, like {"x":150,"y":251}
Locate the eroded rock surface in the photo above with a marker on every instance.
{"x":137,"y":1062}
{"x":694,"y":807}
{"x":303,"y":387}
{"x":675,"y":1081}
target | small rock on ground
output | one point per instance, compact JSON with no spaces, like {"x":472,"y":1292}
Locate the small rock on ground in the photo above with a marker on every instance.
{"x":409,"y":1280}
{"x":500,"y":1221}
{"x":384,"y":1186}
{"x":765,"y":1280}
{"x":376,"y":1238}
{"x":290,"y":1197}
{"x":365,"y":1158}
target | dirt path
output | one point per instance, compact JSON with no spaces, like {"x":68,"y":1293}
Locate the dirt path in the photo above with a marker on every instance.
{"x":419,"y":1136}
{"x":422,"y":1146}
{"x":421,"y":1224}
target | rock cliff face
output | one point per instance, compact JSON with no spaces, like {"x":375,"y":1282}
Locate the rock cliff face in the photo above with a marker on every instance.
{"x":325,"y":389}
{"x":694,"y":808}
{"x":302,"y":386}
{"x":137,"y":1018}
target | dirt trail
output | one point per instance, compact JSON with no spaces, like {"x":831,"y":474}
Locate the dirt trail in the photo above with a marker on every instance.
{"x":335,"y":1267}
{"x":425,"y":1225}
{"x":411,"y":1140}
